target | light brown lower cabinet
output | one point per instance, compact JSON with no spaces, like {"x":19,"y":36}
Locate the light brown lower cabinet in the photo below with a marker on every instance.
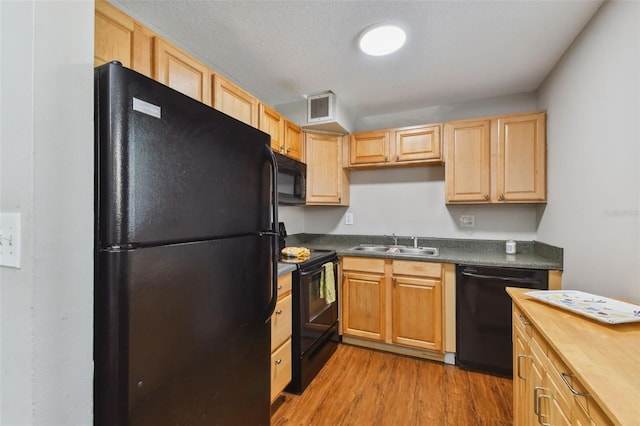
{"x":545,"y":391}
{"x":281,"y":338}
{"x":396,"y":302}
{"x":417,"y":304}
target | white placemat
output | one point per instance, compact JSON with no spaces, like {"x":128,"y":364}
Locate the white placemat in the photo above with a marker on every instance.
{"x":590,"y":305}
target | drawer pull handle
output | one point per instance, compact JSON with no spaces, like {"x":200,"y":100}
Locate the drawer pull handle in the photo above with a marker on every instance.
{"x":536,"y":400}
{"x":540,"y":415}
{"x":564,"y":376}
{"x":279,"y":287}
{"x":520,"y":356}
{"x":278,"y":361}
{"x":279,"y":312}
{"x":523,"y":320}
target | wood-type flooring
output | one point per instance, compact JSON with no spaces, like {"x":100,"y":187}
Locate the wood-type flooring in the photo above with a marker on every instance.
{"x":361,"y":386}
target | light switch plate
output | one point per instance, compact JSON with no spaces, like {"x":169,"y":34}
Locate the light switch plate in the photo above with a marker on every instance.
{"x":10,"y":240}
{"x":348,"y":219}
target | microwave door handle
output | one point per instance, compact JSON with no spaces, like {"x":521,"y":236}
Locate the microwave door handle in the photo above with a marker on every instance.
{"x":273,"y":233}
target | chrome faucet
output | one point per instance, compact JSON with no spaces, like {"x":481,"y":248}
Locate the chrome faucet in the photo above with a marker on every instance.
{"x":415,"y":242}
{"x":395,"y":239}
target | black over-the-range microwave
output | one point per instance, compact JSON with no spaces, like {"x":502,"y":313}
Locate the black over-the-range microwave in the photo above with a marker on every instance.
{"x":292,"y":181}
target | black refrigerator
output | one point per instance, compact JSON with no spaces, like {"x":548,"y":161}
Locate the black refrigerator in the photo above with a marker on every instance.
{"x":185,"y":259}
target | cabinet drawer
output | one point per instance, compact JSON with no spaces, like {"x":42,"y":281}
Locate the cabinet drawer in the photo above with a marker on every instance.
{"x":284,"y":284}
{"x":583,"y":407}
{"x":421,"y":269}
{"x":280,"y":369}
{"x":281,"y":322}
{"x":363,"y":264}
{"x":521,"y":322}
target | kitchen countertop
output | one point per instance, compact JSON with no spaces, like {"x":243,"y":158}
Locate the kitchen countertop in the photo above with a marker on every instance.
{"x":603,"y":357}
{"x":285,"y":268}
{"x":529,"y":254}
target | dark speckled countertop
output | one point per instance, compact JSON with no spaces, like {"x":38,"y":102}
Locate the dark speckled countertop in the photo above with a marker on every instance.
{"x":284,"y":268}
{"x":529,"y":254}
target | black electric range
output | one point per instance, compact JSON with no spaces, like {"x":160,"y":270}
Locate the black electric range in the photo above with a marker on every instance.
{"x":314,"y":317}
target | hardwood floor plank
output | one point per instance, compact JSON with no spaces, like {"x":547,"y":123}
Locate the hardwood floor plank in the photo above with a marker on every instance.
{"x":360,"y":386}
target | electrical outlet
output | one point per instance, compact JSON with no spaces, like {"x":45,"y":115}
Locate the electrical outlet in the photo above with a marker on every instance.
{"x":348,"y":219}
{"x":10,"y":239}
{"x":467,"y":221}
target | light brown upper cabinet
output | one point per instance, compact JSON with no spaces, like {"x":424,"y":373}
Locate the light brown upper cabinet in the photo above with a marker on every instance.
{"x":522,"y":158}
{"x":271,"y":122}
{"x":233,"y":101}
{"x":120,"y":38}
{"x":496,"y":160}
{"x":143,"y":50}
{"x":369,"y":148}
{"x":406,"y":146}
{"x":327,"y":179}
{"x":468,"y":165}
{"x":181,"y":72}
{"x":418,"y":144}
{"x":293,"y":140}
{"x":113,"y":35}
{"x":286,"y":137}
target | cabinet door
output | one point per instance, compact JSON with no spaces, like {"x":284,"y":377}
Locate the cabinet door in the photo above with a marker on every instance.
{"x":363,"y":305}
{"x":324,"y":168}
{"x":520,"y":374}
{"x":521,"y":158}
{"x":113,"y":35}
{"x":537,"y":405}
{"x":468,"y":162}
{"x":418,"y":144}
{"x":233,"y":101}
{"x":417,"y":312}
{"x":181,"y":72}
{"x":271,"y":122}
{"x":369,"y":148}
{"x":143,"y":50}
{"x":293,"y":140}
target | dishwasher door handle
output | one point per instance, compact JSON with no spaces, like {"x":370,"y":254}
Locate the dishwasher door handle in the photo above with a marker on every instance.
{"x":507,"y":279}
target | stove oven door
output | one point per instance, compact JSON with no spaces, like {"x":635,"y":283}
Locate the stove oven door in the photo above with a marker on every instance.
{"x":316,"y":316}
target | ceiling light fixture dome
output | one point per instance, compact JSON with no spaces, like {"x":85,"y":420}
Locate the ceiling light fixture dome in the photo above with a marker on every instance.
{"x":382,"y":40}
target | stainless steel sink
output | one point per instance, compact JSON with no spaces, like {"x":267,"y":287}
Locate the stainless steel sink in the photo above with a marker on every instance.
{"x":370,"y":248}
{"x":426,"y":251}
{"x":394,"y":249}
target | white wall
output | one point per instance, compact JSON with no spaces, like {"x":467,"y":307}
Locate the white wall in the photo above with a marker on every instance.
{"x":592,"y":98}
{"x":46,"y":161}
{"x":410,"y":202}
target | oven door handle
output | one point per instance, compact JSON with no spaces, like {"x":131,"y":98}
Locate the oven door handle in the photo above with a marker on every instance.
{"x":315,"y":271}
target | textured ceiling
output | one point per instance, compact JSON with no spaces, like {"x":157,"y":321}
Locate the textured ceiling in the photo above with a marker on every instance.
{"x":456,"y":51}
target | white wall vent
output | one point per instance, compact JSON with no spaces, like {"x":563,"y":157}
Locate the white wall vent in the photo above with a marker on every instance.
{"x":321,"y":107}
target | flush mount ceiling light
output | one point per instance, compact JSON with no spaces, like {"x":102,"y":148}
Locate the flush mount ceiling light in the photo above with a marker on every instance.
{"x":382,"y":40}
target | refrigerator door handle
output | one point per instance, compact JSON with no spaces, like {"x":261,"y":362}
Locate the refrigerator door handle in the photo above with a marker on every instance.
{"x":273,"y":233}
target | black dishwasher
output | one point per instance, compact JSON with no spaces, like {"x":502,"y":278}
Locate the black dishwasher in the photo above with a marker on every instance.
{"x":483,"y":315}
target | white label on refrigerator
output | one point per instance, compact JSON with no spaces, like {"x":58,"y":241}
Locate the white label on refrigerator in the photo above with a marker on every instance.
{"x":146,"y":108}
